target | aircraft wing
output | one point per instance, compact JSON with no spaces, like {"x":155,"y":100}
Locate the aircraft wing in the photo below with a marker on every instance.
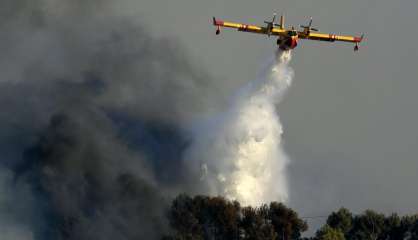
{"x":248,"y":28}
{"x":329,"y":37}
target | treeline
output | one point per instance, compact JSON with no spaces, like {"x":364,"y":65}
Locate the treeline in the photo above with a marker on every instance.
{"x":215,"y":218}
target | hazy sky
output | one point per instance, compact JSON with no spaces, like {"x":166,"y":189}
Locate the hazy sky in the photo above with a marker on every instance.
{"x":349,"y":118}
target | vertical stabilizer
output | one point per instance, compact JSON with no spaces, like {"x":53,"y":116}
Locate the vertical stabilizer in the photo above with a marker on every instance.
{"x":282,"y":22}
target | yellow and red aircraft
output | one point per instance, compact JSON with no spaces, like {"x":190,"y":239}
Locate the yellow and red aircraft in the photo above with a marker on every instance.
{"x":287,"y":38}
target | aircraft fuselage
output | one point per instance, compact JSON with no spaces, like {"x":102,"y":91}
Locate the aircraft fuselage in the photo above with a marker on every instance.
{"x":287,"y":43}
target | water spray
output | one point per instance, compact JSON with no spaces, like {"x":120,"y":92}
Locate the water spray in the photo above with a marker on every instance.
{"x":239,"y":153}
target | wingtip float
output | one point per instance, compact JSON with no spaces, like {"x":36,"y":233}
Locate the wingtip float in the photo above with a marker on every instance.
{"x":287,"y":38}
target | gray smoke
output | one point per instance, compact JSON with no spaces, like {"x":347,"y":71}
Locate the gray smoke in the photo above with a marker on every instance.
{"x":91,"y":127}
{"x":96,"y":186}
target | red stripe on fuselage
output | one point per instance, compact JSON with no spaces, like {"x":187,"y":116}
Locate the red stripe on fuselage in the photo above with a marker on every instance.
{"x":218,"y":23}
{"x":357,"y":39}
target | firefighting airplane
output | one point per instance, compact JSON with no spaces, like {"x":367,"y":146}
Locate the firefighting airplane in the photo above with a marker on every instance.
{"x":287,"y":38}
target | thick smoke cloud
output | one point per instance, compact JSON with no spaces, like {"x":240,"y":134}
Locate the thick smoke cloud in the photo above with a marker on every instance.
{"x":16,"y":210}
{"x":93,"y":111}
{"x":96,"y":187}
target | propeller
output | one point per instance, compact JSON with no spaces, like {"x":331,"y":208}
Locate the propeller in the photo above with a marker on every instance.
{"x":272,"y":21}
{"x":309,"y":27}
{"x":271,"y":24}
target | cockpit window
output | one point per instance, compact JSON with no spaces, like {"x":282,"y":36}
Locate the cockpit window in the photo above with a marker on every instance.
{"x":292,"y":33}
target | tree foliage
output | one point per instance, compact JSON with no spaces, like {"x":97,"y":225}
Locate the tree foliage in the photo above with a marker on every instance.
{"x":286,"y":221}
{"x":204,"y":217}
{"x":342,"y":220}
{"x":330,"y":233}
{"x":216,"y":218}
{"x":373,"y":225}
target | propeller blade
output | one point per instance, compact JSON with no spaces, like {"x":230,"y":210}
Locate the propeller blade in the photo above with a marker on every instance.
{"x":309,"y":27}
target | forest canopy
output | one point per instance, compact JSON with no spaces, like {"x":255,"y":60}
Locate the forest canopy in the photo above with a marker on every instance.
{"x":206,"y":218}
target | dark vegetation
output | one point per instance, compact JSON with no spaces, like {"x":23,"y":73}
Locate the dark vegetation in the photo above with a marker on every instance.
{"x":207,"y":218}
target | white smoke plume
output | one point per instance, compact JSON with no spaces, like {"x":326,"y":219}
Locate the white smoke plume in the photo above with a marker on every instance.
{"x":239,"y":152}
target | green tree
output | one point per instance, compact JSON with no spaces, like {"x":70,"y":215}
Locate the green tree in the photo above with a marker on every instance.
{"x":255,"y":224}
{"x":342,"y":219}
{"x":367,"y":226}
{"x":329,"y":233}
{"x":413,"y":230}
{"x":286,"y":222}
{"x":407,"y":226}
{"x":204,"y":217}
{"x":183,"y":219}
{"x":218,"y":216}
{"x":393,"y":229}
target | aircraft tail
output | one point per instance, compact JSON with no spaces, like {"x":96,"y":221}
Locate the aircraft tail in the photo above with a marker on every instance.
{"x":282,"y":22}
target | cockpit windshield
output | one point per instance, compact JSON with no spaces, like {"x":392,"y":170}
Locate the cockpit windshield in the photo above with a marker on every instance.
{"x":292,"y":33}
